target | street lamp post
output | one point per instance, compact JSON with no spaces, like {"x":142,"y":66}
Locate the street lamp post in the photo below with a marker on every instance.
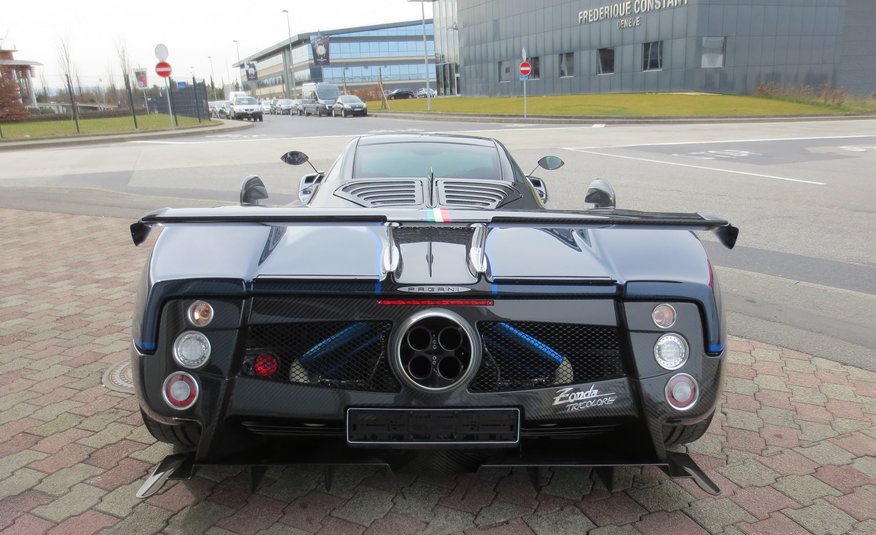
{"x":212,"y":77}
{"x":239,"y":81}
{"x":291,"y":73}
{"x":425,"y":52}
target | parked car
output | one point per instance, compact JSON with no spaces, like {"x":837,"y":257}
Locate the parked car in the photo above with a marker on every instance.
{"x":283,"y":106}
{"x":297,"y":107}
{"x":396,"y":94}
{"x":347,"y":105}
{"x":423,"y":92}
{"x":217,"y":108}
{"x":246,"y":108}
{"x":267,"y":107}
{"x":418,"y":299}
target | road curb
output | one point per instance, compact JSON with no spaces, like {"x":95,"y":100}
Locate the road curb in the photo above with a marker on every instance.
{"x":226,"y":126}
{"x":438,"y":116}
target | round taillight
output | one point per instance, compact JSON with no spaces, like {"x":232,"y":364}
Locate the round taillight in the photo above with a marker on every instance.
{"x":671,"y":351}
{"x":663,"y":316}
{"x":180,"y":390}
{"x":191,"y":349}
{"x":682,"y":391}
{"x":200,"y":313}
{"x":265,"y":365}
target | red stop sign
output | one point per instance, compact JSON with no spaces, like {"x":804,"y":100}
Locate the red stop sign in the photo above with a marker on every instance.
{"x":525,"y":68}
{"x":163,"y":69}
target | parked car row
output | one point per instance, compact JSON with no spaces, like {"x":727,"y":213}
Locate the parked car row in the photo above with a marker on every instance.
{"x":423,"y":92}
{"x":247,"y":107}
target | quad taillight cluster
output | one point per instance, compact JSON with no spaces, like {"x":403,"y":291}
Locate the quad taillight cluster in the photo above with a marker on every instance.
{"x":671,"y":351}
{"x":191,"y":350}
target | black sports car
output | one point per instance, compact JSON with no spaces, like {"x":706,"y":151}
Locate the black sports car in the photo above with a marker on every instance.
{"x":419,"y":301}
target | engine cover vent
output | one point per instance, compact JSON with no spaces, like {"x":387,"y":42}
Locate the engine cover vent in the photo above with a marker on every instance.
{"x":383,"y":192}
{"x":485,"y":194}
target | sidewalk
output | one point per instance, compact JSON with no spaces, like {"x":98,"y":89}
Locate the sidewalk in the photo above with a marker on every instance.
{"x":226,"y":126}
{"x":793,"y":448}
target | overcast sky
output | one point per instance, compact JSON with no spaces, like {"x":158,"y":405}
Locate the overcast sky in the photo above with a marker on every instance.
{"x":191,"y":29}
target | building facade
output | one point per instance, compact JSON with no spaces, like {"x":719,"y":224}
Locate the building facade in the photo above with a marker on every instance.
{"x":22,"y":72}
{"x":357,"y":58}
{"x":725,"y":46}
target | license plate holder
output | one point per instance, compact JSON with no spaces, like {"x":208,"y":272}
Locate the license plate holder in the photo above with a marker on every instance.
{"x":399,"y":427}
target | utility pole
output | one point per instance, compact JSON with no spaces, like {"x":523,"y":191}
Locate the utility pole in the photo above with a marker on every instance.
{"x":239,"y":81}
{"x":291,"y":73}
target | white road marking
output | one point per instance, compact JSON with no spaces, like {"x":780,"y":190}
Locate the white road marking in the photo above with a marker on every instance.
{"x":754,"y":140}
{"x":697,"y":167}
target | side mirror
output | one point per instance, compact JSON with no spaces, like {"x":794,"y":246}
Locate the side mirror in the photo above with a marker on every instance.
{"x":295,"y":158}
{"x":307,"y":186}
{"x":551,"y":162}
{"x":600,"y":194}
{"x":539,"y":186}
{"x":252,"y":191}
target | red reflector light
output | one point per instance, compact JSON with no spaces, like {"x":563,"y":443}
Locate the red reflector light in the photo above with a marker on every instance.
{"x":265,"y":365}
{"x":180,"y":390}
{"x":438,"y":302}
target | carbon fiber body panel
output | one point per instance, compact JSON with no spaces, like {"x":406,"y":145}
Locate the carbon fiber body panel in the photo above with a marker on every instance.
{"x":401,"y":313}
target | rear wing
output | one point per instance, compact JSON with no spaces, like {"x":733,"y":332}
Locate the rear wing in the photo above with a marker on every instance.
{"x":597,"y":218}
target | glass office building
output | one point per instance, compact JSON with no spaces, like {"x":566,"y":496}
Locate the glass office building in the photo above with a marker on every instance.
{"x":601,"y":46}
{"x":358,"y":58}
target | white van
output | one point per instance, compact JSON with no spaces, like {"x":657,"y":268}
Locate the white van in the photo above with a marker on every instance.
{"x":318,"y":98}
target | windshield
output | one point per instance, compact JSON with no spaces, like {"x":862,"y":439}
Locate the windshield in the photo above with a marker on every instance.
{"x":446,"y":160}
{"x":350,"y":99}
{"x":327,"y":91}
{"x":245,"y":100}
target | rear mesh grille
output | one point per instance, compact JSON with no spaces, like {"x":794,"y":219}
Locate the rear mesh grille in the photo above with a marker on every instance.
{"x":522,"y":355}
{"x":348,"y":355}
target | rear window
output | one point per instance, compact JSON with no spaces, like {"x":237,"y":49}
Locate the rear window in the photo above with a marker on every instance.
{"x":446,"y":160}
{"x":245,"y":100}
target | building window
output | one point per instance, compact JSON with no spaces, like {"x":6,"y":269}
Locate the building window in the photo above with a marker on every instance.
{"x":536,"y":69}
{"x":652,"y":56}
{"x":605,"y":65}
{"x":713,"y":52}
{"x":567,"y":64}
{"x":504,"y":71}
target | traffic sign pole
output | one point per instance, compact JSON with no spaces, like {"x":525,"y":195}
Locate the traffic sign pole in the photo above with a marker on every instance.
{"x":525,"y":69}
{"x":164,"y":70}
{"x":169,"y":109}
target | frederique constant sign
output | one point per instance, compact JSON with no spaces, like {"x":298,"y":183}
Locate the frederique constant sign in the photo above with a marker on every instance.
{"x":629,"y":11}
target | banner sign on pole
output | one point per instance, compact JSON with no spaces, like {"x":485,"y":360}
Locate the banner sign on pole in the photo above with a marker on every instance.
{"x":320,"y":46}
{"x":252,"y":73}
{"x":141,"y":79}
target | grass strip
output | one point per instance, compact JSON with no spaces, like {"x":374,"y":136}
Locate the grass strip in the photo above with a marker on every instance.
{"x":630,"y":105}
{"x":107,"y":125}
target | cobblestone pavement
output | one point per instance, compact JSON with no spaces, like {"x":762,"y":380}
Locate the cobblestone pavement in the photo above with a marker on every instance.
{"x":793,"y":448}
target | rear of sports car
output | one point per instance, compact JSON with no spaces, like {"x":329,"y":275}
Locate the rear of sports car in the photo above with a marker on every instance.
{"x":527,"y":346}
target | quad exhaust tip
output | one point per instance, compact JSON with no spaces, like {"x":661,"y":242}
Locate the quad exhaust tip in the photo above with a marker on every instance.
{"x":435,"y":351}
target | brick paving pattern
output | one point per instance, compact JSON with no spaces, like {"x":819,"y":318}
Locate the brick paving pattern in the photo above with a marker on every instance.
{"x":793,"y":447}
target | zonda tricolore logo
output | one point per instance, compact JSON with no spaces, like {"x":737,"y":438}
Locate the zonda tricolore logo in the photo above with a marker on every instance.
{"x":571,"y":400}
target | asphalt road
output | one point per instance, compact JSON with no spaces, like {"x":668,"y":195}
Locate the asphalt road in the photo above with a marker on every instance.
{"x":803,"y":274}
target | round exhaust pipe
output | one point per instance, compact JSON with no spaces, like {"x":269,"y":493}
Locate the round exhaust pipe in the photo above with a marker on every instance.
{"x":450,"y":338}
{"x":420,"y":367}
{"x":450,"y":367}
{"x":419,"y":338}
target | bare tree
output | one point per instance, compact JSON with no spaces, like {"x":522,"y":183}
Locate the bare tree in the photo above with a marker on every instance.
{"x":45,"y":85}
{"x":65,"y":62}
{"x":112,"y":92}
{"x":125,"y":65}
